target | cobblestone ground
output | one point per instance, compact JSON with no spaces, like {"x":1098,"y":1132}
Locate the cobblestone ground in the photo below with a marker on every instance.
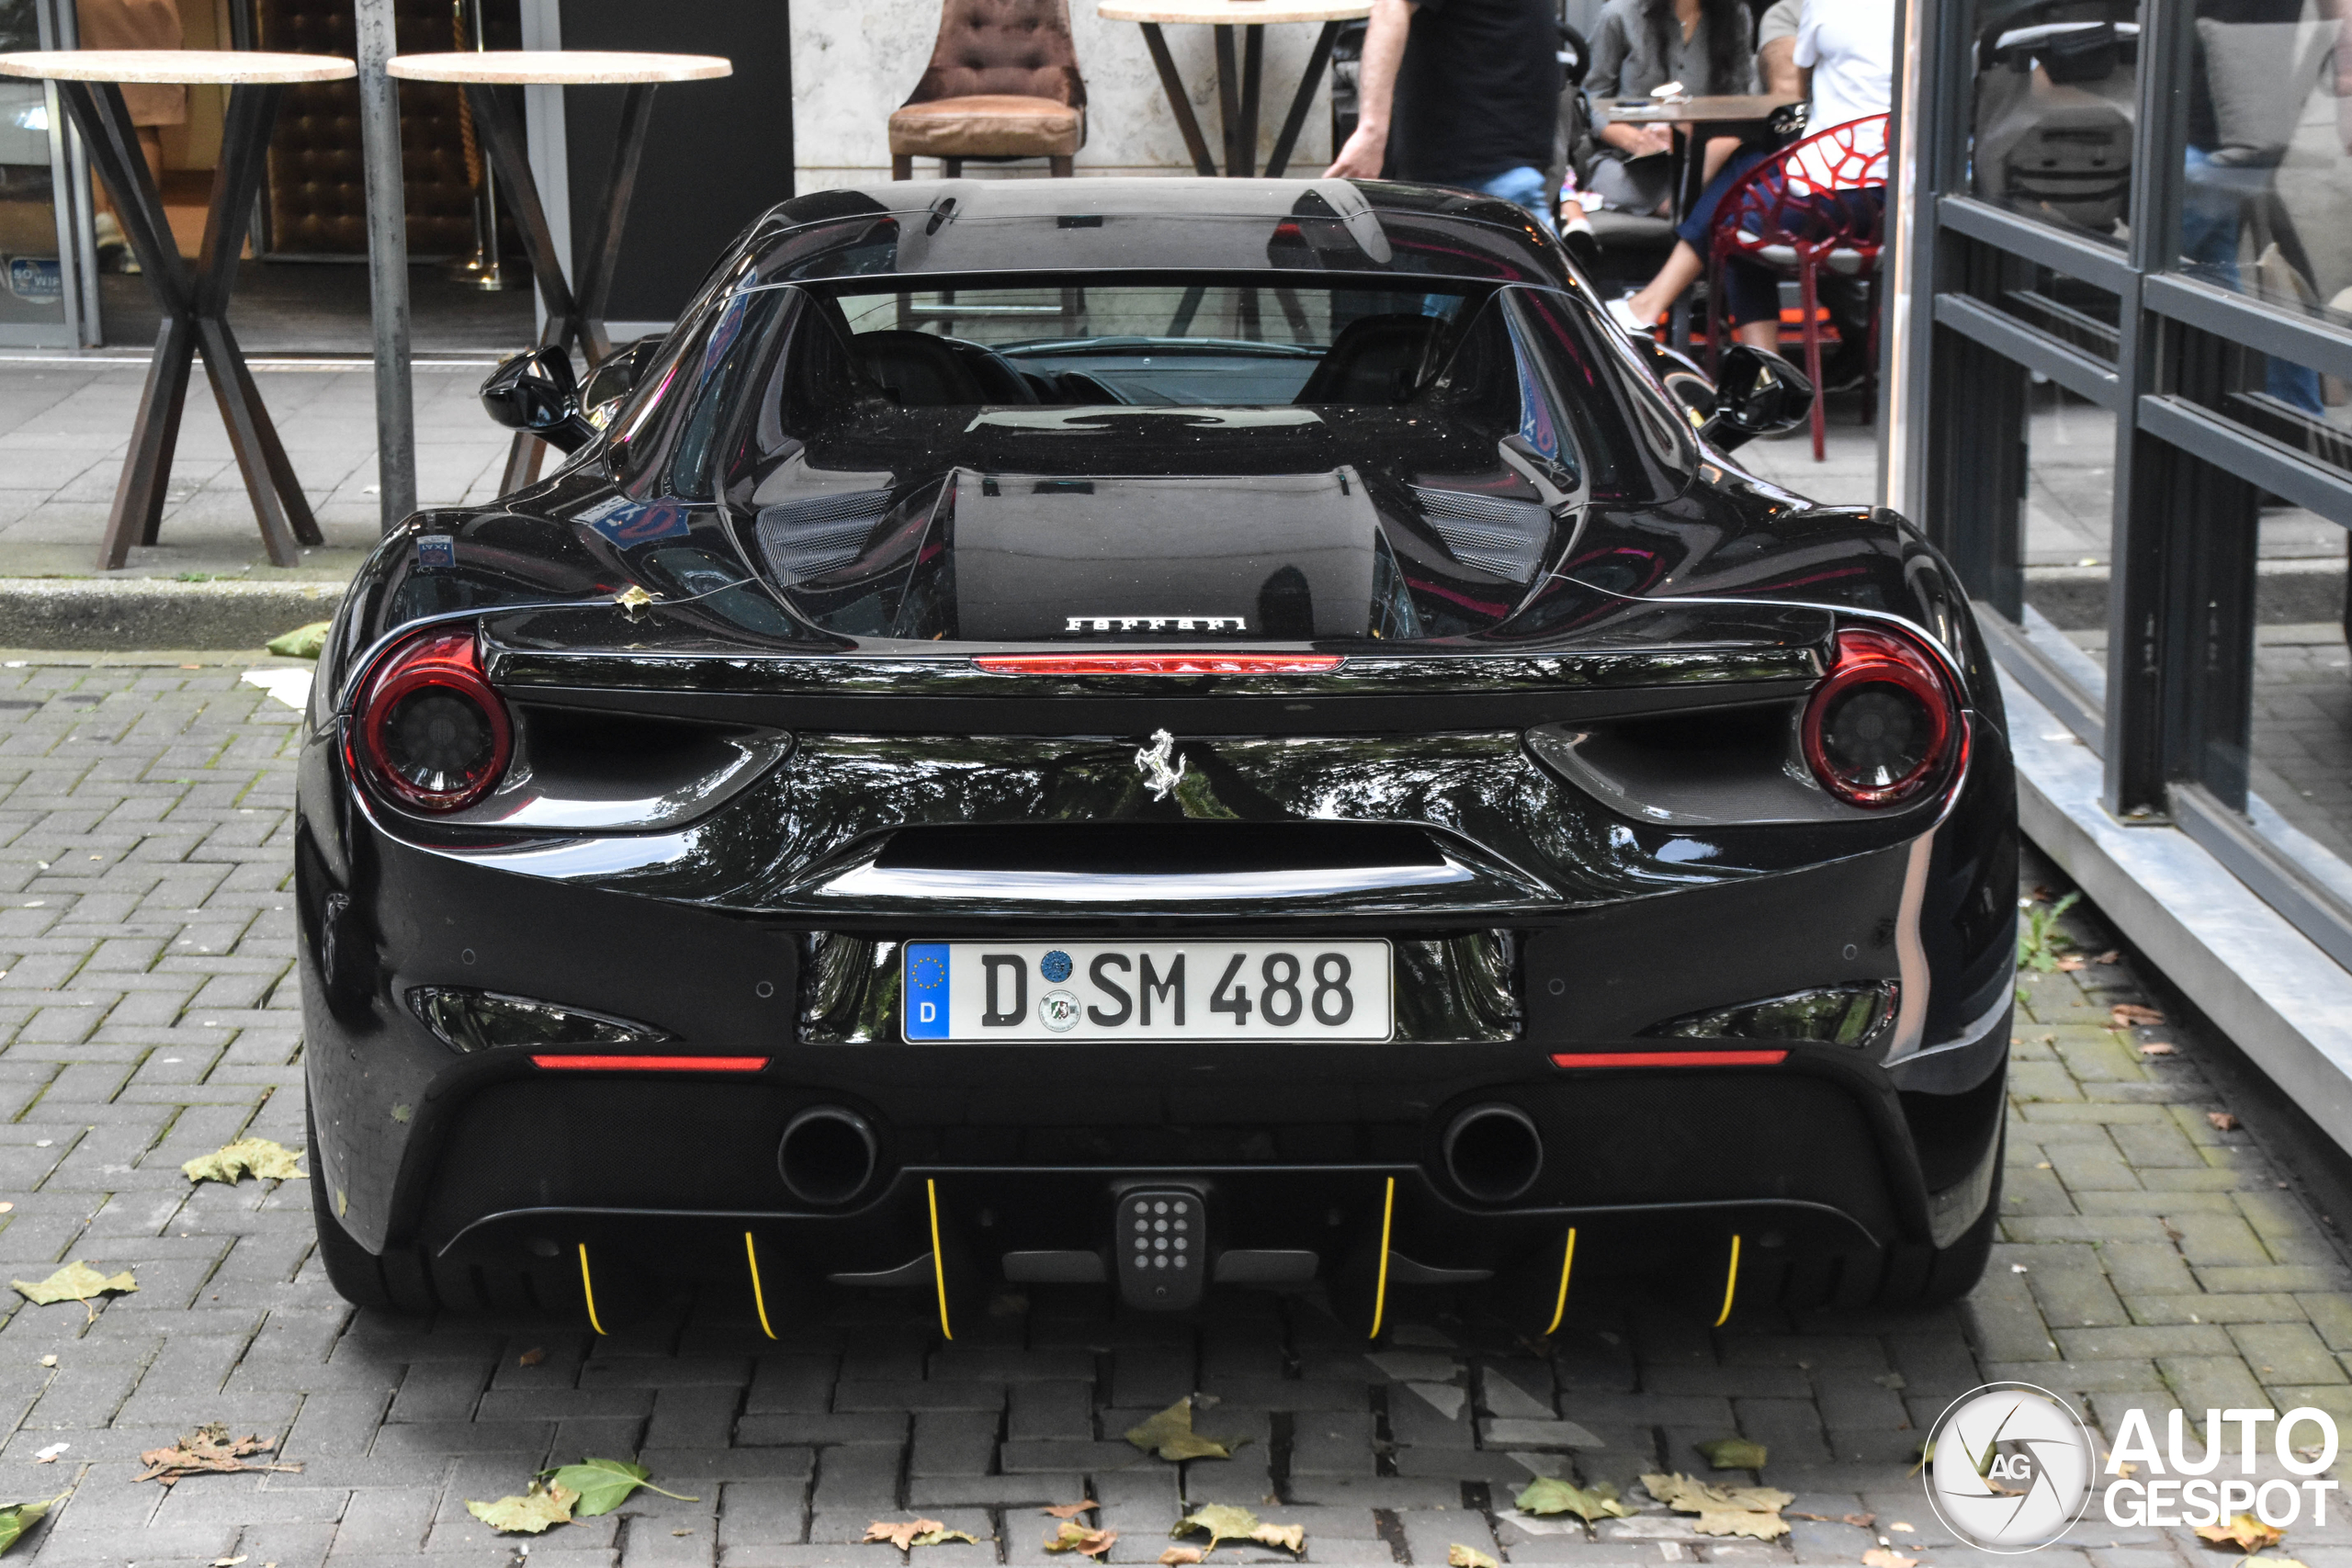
{"x":2150,"y":1256}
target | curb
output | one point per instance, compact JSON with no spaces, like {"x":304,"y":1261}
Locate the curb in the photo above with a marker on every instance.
{"x":140,"y":612}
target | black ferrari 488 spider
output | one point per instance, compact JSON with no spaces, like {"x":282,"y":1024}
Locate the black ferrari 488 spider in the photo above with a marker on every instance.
{"x":1160,"y":735}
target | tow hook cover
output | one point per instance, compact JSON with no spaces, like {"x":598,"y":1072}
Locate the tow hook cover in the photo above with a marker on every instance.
{"x":1161,"y":1245}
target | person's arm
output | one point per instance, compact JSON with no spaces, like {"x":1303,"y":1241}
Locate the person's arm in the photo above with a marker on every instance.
{"x":1383,"y":54}
{"x":1606,"y":85}
{"x":1776,"y":67}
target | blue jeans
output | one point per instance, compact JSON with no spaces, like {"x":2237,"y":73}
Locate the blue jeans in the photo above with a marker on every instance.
{"x":2212,"y":209}
{"x":1525,"y":186}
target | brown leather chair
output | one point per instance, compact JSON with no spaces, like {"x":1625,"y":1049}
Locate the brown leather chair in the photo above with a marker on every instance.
{"x":1002,"y":82}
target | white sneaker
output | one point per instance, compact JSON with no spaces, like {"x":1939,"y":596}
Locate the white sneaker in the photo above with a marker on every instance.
{"x":1621,"y":311}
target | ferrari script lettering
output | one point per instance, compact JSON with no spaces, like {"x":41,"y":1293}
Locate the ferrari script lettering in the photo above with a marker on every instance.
{"x":1156,"y":624}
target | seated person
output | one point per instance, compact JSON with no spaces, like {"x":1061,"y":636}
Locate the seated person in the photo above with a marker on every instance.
{"x":1845,"y":56}
{"x":1641,"y":45}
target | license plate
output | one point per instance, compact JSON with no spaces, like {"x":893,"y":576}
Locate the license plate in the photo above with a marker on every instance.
{"x":1193,"y":990}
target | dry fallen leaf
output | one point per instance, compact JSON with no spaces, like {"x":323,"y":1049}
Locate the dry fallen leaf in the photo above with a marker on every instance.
{"x":531,"y":1514}
{"x":2244,"y":1531}
{"x":633,"y":600}
{"x":209,"y":1449}
{"x":908,"y":1534}
{"x":1549,"y":1494}
{"x":1170,"y":1436}
{"x":247,"y":1156}
{"x":2068,"y":963}
{"x":1752,"y":1511}
{"x":1075,"y":1536}
{"x":1460,"y":1556}
{"x":75,"y":1283}
{"x":1733,"y":1453}
{"x":2123,"y":1015}
{"x":1070,"y":1510}
{"x":2157,"y":1048}
{"x":1177,"y":1556}
{"x":532,"y":1357}
{"x":1221,"y":1522}
{"x":1885,"y":1557}
{"x":2222,"y":1122}
{"x":2110,"y":956}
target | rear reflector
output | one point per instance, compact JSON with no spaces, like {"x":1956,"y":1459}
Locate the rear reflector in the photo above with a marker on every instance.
{"x":1159,"y":663}
{"x":604,"y":1063}
{"x":1670,"y":1059}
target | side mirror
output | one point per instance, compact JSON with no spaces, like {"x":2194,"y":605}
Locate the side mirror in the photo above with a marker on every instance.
{"x":609,"y":385}
{"x":1757,"y":393}
{"x":536,"y":393}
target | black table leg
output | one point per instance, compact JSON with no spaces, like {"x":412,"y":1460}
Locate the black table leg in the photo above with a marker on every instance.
{"x":604,"y":242}
{"x":194,"y":307}
{"x":1253,"y":72}
{"x":1302,"y":101}
{"x":502,"y":138}
{"x":1228,"y":99}
{"x":1179,"y":102}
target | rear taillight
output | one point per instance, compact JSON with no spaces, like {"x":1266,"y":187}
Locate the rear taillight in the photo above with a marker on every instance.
{"x":429,"y":729}
{"x":1884,"y":723}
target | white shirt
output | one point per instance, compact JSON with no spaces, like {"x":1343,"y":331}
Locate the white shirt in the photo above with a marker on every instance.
{"x":1849,"y":45}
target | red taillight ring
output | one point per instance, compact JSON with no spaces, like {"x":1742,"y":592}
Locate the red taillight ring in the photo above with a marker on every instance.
{"x":447,"y":659}
{"x":1870,"y":657}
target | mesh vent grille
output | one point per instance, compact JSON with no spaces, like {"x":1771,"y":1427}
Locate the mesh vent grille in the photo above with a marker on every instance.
{"x":801,"y":539}
{"x":1490,"y":533}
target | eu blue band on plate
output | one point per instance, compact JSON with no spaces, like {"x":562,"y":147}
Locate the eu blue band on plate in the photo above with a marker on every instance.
{"x":926,"y":978}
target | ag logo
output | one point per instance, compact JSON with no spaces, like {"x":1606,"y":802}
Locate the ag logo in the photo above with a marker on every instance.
{"x":2009,"y":1468}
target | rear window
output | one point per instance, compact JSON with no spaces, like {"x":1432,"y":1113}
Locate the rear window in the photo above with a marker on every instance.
{"x":1197,"y":345}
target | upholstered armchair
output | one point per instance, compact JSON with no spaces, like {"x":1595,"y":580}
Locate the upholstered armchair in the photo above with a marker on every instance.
{"x":1002,"y":84}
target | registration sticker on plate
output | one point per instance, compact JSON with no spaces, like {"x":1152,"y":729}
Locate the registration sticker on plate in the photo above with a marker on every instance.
{"x":1193,"y":990}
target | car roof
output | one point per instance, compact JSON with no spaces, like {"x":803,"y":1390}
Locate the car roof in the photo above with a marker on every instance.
{"x":965,"y":226}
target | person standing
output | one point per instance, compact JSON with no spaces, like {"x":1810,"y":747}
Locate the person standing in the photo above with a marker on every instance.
{"x":1458,"y":93}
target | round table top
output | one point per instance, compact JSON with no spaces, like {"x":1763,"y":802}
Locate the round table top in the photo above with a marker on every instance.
{"x":1232,"y":12}
{"x":557,"y":67}
{"x":196,"y":67}
{"x":1704,"y":109}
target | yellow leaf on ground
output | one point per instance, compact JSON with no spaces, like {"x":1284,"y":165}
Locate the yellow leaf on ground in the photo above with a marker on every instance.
{"x":900,"y":1533}
{"x":1170,"y":1436}
{"x":942,"y":1535}
{"x":1069,"y":1510}
{"x":1460,"y":1556}
{"x":1076,"y":1537}
{"x":246,"y":1156}
{"x":1549,"y":1494}
{"x":1177,"y":1556}
{"x":531,"y":1514}
{"x":1881,"y":1556}
{"x":2244,"y":1531}
{"x":1751,"y":1511}
{"x":1734,"y":1453}
{"x":75,"y":1283}
{"x":1221,"y":1522}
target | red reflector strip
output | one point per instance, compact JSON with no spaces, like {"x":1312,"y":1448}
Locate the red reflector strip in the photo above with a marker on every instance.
{"x":1670,"y":1059}
{"x":601,"y":1063}
{"x":1159,"y":663}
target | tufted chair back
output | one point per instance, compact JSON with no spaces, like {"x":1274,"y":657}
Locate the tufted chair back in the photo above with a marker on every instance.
{"x":1017,"y":48}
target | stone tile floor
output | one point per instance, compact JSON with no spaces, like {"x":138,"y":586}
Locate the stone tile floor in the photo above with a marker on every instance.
{"x":147,"y":1015}
{"x":65,"y":424}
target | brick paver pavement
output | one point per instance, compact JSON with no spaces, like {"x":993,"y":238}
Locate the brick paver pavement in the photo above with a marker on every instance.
{"x":148,"y":1015}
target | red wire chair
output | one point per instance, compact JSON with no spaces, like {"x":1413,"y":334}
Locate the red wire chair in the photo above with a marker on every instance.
{"x":1797,"y":212}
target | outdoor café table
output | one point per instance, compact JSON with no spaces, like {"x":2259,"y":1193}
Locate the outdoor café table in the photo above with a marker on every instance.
{"x":1696,"y":121}
{"x":1238,"y":101}
{"x":195,"y":304}
{"x":574,"y":315}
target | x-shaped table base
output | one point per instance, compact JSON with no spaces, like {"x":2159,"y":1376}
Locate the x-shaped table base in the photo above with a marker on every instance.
{"x":573,"y":317}
{"x":195,"y":306}
{"x":1239,"y":112}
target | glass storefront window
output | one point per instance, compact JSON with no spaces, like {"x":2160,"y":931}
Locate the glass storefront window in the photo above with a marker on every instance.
{"x":2055,"y":97}
{"x":32,"y":280}
{"x":2266,"y":192}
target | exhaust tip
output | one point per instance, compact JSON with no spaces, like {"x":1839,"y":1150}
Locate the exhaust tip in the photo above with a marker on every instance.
{"x":1493,"y":1152}
{"x":828,"y":1156}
